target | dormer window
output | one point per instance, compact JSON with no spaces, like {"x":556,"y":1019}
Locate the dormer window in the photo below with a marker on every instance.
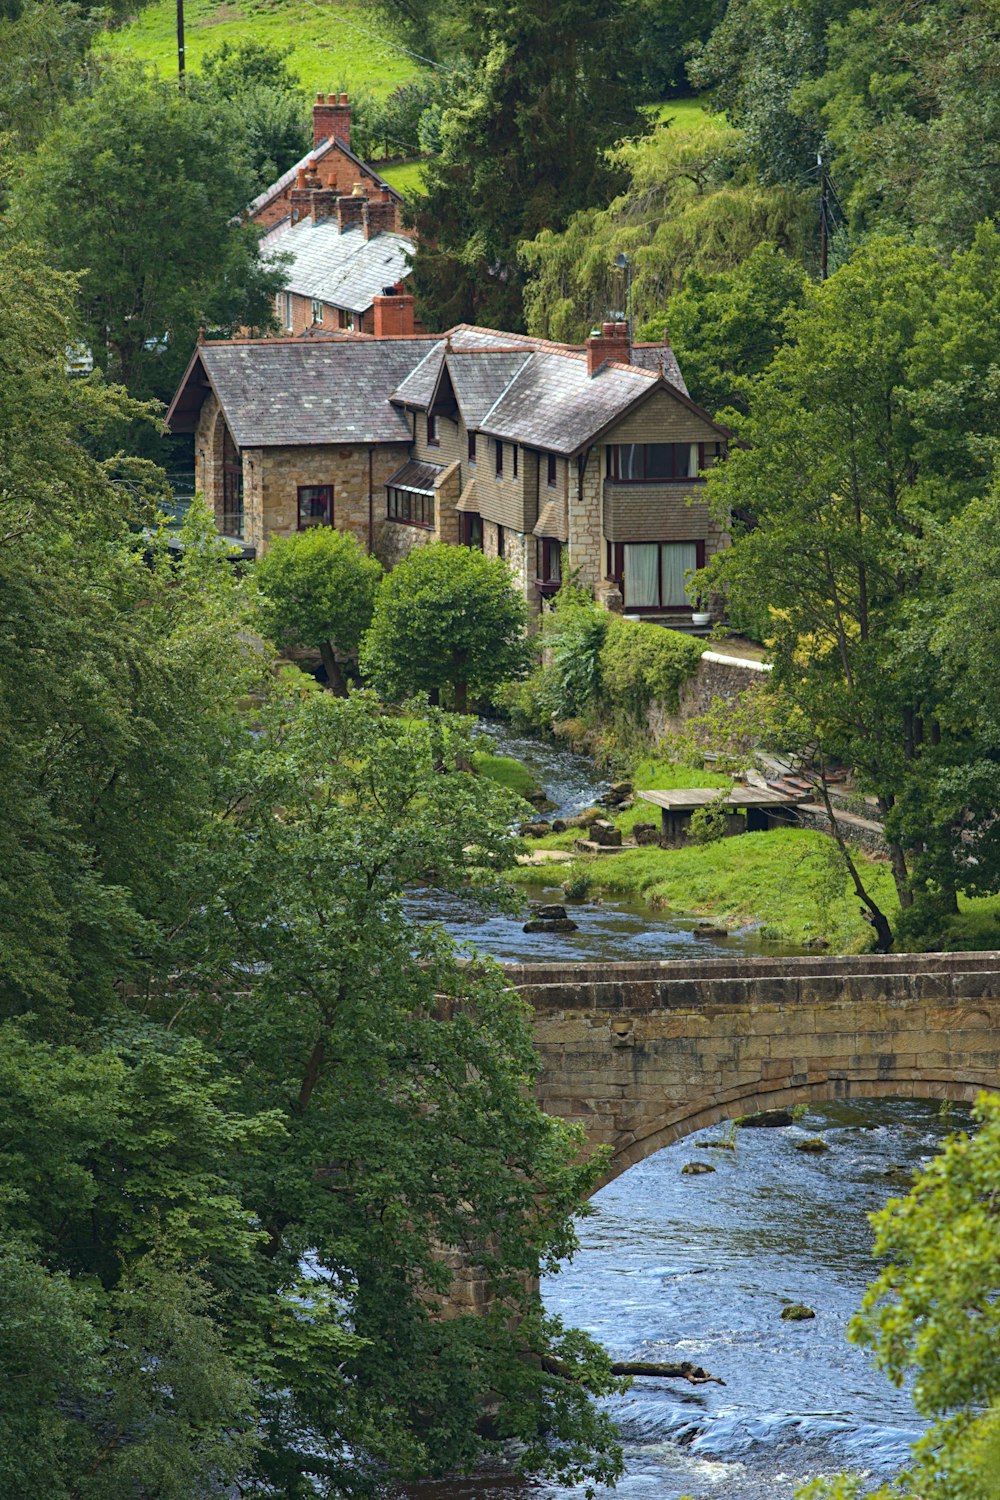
{"x":433,"y":438}
{"x":550,"y":470}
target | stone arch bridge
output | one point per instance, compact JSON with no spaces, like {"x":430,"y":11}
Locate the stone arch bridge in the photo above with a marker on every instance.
{"x":642,"y":1054}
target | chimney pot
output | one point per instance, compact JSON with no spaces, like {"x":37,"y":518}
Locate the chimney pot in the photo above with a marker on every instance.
{"x":320,"y":98}
{"x":343,"y":98}
{"x":331,"y":117}
{"x":300,"y":178}
{"x":610,"y":341}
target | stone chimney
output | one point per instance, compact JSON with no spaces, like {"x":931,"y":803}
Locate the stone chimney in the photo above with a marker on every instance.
{"x":331,"y":117}
{"x":351,"y":208}
{"x":392,"y":314}
{"x":608,"y":342}
{"x":379,"y":215}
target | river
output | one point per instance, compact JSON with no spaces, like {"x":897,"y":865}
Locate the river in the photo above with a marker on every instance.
{"x":680,"y":1267}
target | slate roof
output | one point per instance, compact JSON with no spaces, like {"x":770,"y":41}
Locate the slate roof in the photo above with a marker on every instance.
{"x":650,"y":356}
{"x":416,"y":477}
{"x":317,"y":153}
{"x":548,"y":400}
{"x":479,"y":378}
{"x":344,"y":270}
{"x":278,"y":393}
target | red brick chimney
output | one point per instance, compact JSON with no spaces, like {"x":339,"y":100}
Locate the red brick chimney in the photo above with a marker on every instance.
{"x":379,"y":215}
{"x":331,"y":117}
{"x":351,"y":208}
{"x":392,"y":315}
{"x":610,"y":343}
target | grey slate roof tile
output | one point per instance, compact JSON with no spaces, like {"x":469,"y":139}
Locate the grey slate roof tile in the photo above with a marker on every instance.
{"x":552,"y":403}
{"x":651,"y":356}
{"x":282,"y":392}
{"x":345,"y":270}
{"x":480,"y":377}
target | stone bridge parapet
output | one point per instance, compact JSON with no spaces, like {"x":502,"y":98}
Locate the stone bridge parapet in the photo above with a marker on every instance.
{"x":642,"y":1054}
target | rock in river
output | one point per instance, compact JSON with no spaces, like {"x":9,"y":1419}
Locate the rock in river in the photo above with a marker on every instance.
{"x":797,"y":1312}
{"x":696,"y":1168}
{"x":813,"y":1144}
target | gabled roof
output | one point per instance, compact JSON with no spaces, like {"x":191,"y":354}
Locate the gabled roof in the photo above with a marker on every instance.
{"x":279,"y":393}
{"x":317,"y":153}
{"x":345,"y":270}
{"x":538,"y":393}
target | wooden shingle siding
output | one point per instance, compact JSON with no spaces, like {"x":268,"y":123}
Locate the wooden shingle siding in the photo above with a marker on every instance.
{"x":662,"y":419}
{"x":654,"y":513}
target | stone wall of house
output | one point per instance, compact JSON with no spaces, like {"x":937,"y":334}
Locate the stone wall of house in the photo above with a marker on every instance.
{"x":395,"y":540}
{"x":717,"y":677}
{"x":587,"y":552}
{"x":208,"y":455}
{"x":358,"y":474}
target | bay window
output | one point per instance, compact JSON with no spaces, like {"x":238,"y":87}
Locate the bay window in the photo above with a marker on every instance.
{"x":658,"y":463}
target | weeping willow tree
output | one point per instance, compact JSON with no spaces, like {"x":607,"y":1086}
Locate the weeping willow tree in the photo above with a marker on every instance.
{"x":691,"y":201}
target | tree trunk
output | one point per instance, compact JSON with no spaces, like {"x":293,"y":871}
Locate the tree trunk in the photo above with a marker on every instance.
{"x":461,"y":697}
{"x":883,"y":932}
{"x":334,"y":676}
{"x":693,"y":1374}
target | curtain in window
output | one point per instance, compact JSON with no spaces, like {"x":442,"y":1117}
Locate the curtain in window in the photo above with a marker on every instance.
{"x":642,"y":575}
{"x":693,"y":464}
{"x":678,"y":557}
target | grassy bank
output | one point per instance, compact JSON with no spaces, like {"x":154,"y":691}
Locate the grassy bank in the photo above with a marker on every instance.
{"x":343,"y":46}
{"x":506,"y":771}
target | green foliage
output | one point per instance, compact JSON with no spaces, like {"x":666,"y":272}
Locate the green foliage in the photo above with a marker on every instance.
{"x":318,"y":589}
{"x":394,"y":126}
{"x":689,"y":201}
{"x":445,"y":617}
{"x":160,"y":158}
{"x":522,"y":143}
{"x":640,"y":663}
{"x":43,"y":44}
{"x":908,"y":98}
{"x":574,"y":633}
{"x":226,"y":1053}
{"x":506,"y":771}
{"x":725,"y":327}
{"x":932,"y":1314}
{"x":268,"y":111}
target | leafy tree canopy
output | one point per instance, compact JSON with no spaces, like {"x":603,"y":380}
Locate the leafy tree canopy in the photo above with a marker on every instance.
{"x":269,"y":111}
{"x":319,"y":590}
{"x":690,"y":203}
{"x":445,"y":617}
{"x":124,"y":166}
{"x":843,"y":572}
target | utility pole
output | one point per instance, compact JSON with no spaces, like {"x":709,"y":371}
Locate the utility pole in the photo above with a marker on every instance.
{"x":180,"y":44}
{"x":824,"y":240}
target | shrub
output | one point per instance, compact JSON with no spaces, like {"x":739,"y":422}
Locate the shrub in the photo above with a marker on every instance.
{"x":574,"y":633}
{"x":642,"y":663}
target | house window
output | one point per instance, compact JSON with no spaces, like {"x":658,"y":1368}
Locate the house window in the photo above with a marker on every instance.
{"x":285,"y":310}
{"x":347,"y":320}
{"x":653,"y":575}
{"x":472,"y":447}
{"x":515,"y":461}
{"x":498,"y":460}
{"x":471,"y":530}
{"x":317,"y":310}
{"x":315,"y":505}
{"x":501,"y":542}
{"x":550,"y":470}
{"x":548,"y":565}
{"x":232,"y":487}
{"x":654,"y":463}
{"x":409,"y":507}
{"x":433,"y":438}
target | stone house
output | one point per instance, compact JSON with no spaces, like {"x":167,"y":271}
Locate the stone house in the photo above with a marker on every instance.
{"x":548,"y":456}
{"x":339,"y":226}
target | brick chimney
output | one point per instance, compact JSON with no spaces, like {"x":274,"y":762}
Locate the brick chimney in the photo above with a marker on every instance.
{"x":323,"y":204}
{"x":610,"y":342}
{"x":351,"y":208}
{"x":379,"y":215}
{"x":392,"y":314}
{"x":331,"y":117}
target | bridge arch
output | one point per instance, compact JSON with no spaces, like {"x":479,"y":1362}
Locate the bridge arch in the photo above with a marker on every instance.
{"x":644,"y":1054}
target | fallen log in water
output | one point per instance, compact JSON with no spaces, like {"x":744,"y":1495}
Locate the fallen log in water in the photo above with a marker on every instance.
{"x":637,"y":1368}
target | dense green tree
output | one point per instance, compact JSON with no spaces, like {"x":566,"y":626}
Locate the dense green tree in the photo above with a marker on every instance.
{"x":43,"y":47}
{"x":446,"y":617}
{"x":137,"y":185}
{"x":690,"y":204}
{"x":254,"y":1113}
{"x":268,"y":109}
{"x":725,"y":327}
{"x":833,"y":567}
{"x":753,"y":65}
{"x":931,"y":1315}
{"x":522,"y":143}
{"x":319,"y":590}
{"x":910,"y":97}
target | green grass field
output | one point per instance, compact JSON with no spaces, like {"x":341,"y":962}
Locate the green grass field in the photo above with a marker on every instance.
{"x":407,"y":177}
{"x":345,"y":45}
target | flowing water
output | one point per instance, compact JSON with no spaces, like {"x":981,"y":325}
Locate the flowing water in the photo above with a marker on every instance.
{"x":680,"y":1267}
